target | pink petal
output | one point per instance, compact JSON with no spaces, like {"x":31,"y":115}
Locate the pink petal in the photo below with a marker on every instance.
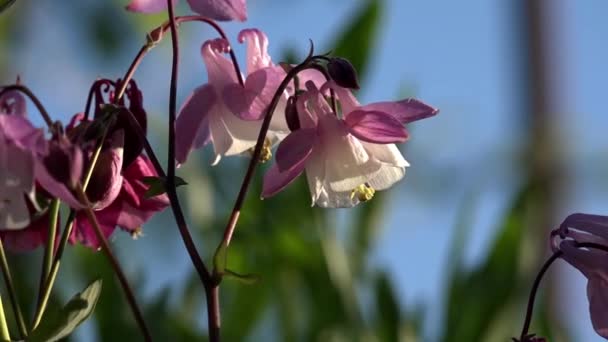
{"x":316,"y":101}
{"x":106,"y":180}
{"x":304,"y":76}
{"x":192,"y":123}
{"x":148,"y":6}
{"x":348,"y":102}
{"x":257,"y":49}
{"x":375,"y":127}
{"x":275,"y":180}
{"x":405,"y":111}
{"x":220,"y":9}
{"x":85,"y":233}
{"x":592,"y":224}
{"x":13,"y":102}
{"x":250,"y":102}
{"x":220,"y":70}
{"x":597,"y":293}
{"x":295,"y":148}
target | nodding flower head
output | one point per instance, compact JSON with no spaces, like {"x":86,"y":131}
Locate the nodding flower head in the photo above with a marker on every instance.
{"x":583,"y":242}
{"x":224,"y":10}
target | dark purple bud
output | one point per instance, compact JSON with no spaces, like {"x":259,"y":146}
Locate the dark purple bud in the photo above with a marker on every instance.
{"x":291,"y":114}
{"x":106,"y":180}
{"x":343,"y":73}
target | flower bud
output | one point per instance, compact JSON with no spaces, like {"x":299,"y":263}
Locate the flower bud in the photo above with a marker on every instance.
{"x":106,"y":180}
{"x":64,"y":162}
{"x":343,"y":73}
{"x":291,"y":114}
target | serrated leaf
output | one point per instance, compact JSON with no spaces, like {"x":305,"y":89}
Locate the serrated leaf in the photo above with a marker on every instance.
{"x":248,"y":279}
{"x":157,"y":185}
{"x":62,"y":323}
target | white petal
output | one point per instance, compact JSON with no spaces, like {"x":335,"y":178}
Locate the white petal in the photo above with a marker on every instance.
{"x":315,"y":173}
{"x":387,"y":176}
{"x":347,"y":164}
{"x":386,"y":153}
{"x":14,"y":213}
{"x":331,"y":199}
{"x":230,"y":134}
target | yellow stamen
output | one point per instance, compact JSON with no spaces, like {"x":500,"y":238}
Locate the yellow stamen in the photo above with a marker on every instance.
{"x":364,"y":193}
{"x":266,"y":153}
{"x":137,"y":233}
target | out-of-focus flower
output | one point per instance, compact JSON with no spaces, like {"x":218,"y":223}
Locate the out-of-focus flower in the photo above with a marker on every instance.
{"x":224,"y":112}
{"x":592,"y":262}
{"x":29,"y":238}
{"x":12,"y":102}
{"x":224,"y":10}
{"x":346,"y":160}
{"x":18,"y":142}
{"x":129,"y":211}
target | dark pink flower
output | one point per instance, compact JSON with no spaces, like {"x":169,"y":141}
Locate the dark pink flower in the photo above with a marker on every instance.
{"x":129,"y":211}
{"x":29,"y":238}
{"x":215,"y":9}
{"x":591,"y":262}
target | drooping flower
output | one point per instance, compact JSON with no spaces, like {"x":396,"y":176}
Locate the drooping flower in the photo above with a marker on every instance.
{"x":130,"y":209}
{"x":224,"y":10}
{"x":592,"y":262}
{"x":224,"y":112}
{"x":29,"y":238}
{"x":18,"y":142}
{"x":346,"y":159}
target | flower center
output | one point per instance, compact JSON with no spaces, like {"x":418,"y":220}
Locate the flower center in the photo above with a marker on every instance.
{"x":364,"y":193}
{"x":266,"y":153}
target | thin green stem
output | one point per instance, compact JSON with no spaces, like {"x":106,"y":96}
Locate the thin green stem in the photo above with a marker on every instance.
{"x":47,"y":261}
{"x":10,"y":287}
{"x":4,"y":334}
{"x":115,"y":265}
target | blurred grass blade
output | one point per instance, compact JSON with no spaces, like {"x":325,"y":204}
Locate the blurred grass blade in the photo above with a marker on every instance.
{"x":60,"y":324}
{"x":388,"y":313}
{"x":356,"y":41}
{"x":475,"y":299}
{"x":4,"y":5}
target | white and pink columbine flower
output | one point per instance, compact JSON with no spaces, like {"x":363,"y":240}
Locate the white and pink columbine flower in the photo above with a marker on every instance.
{"x":346,"y":159}
{"x":214,"y":9}
{"x":224,"y":112}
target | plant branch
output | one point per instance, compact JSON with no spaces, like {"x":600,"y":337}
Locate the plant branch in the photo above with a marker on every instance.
{"x":10,"y":287}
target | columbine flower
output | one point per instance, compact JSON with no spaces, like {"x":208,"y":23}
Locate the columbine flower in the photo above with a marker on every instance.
{"x":214,"y":9}
{"x":18,"y":142}
{"x":208,"y":115}
{"x":129,"y":211}
{"x":591,"y":262}
{"x":346,"y":159}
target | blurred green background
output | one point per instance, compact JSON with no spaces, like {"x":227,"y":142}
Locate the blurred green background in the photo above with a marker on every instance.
{"x":447,"y":255}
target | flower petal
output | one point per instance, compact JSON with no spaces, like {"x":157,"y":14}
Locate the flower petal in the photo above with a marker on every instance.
{"x":375,"y":127}
{"x":192,"y":123}
{"x":393,"y":165}
{"x":275,"y":180}
{"x":231,"y":135}
{"x":348,"y":102}
{"x":592,"y":224}
{"x":251,"y":101}
{"x":147,"y":6}
{"x":405,"y":111}
{"x":220,"y":70}
{"x":257,"y":49}
{"x":13,"y":103}
{"x":597,"y":293}
{"x":296,"y":148}
{"x":222,"y":10}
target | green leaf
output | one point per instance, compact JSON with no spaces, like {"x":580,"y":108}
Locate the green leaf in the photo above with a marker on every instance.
{"x":62,"y":323}
{"x":157,"y":185}
{"x":389,"y":316}
{"x":248,"y":279}
{"x":356,"y":41}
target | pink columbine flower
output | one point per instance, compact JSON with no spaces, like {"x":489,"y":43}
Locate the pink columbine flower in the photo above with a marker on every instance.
{"x":346,"y":159}
{"x":591,"y":262}
{"x":12,"y":102}
{"x":224,"y":112}
{"x":129,"y":211}
{"x":215,"y":9}
{"x":19,"y":140}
